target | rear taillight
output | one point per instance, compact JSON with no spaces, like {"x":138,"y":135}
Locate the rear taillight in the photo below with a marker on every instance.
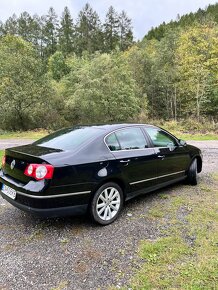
{"x":3,"y":160}
{"x":39,"y":171}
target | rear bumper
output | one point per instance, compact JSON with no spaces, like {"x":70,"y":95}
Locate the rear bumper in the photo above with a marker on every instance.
{"x":49,"y":212}
{"x":47,"y":205}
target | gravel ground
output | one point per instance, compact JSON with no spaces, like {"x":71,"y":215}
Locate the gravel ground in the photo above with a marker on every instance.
{"x":7,"y":143}
{"x":72,"y":253}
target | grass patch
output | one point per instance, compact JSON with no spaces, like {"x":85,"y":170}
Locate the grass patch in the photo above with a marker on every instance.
{"x":24,"y":135}
{"x":190,"y":130}
{"x":61,"y":286}
{"x":42,"y":133}
{"x":156,"y":212}
{"x":1,"y":155}
{"x":186,"y":256}
{"x":215,"y":176}
{"x":163,"y":196}
{"x":196,"y":137}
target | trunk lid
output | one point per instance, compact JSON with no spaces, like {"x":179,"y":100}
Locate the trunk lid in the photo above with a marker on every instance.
{"x":18,"y":158}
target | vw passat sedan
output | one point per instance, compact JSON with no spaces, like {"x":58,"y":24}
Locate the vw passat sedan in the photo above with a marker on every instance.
{"x":95,"y":169}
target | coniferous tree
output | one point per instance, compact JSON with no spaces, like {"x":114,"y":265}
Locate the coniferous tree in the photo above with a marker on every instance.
{"x":36,"y":31}
{"x":50,"y":32}
{"x":88,"y":31}
{"x":202,"y":16}
{"x":1,"y":28}
{"x":24,"y":26}
{"x":66,"y":33}
{"x":126,"y":34}
{"x":111,"y":30}
{"x":11,"y":25}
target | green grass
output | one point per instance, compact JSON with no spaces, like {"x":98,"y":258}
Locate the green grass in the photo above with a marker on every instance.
{"x":186,"y":130}
{"x":196,"y":137}
{"x":1,"y":155}
{"x":42,"y":133}
{"x":171,"y":262}
{"x":23,"y":135}
{"x":190,"y":129}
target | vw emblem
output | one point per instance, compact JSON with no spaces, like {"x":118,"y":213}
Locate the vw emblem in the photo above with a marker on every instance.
{"x":13,"y":164}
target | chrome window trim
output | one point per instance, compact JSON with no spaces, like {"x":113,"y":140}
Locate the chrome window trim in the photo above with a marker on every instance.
{"x":53,"y":196}
{"x":144,"y":180}
{"x":123,"y":150}
{"x":166,"y":132}
{"x":163,"y":147}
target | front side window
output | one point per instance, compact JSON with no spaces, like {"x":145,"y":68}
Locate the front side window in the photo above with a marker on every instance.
{"x":131,"y":138}
{"x":160,"y":138}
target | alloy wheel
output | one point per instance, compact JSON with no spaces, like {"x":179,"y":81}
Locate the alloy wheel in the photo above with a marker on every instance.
{"x":108,"y":203}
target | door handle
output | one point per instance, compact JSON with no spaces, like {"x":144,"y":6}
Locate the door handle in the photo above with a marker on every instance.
{"x":125,"y":161}
{"x":161,"y":156}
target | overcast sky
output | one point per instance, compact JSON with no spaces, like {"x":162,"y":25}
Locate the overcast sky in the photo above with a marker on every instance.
{"x":144,"y":13}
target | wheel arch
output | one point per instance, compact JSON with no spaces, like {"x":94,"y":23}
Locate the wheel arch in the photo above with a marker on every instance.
{"x":199,"y":163}
{"x":118,"y":181}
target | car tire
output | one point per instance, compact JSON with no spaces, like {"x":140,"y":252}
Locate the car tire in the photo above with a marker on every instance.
{"x":107,"y":203}
{"x":192,"y":173}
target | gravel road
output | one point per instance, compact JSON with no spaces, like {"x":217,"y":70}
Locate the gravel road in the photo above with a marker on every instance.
{"x":7,"y":143}
{"x":72,"y":253}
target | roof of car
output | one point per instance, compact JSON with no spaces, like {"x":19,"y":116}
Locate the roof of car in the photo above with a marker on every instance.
{"x":111,"y":127}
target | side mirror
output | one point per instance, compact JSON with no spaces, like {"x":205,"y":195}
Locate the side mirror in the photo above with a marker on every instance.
{"x":182,"y":143}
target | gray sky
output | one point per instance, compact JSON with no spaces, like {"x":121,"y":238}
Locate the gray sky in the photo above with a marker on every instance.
{"x":144,"y":13}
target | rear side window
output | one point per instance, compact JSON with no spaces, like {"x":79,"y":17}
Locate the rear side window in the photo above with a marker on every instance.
{"x":127,"y":139}
{"x":112,"y":142}
{"x":160,"y":138}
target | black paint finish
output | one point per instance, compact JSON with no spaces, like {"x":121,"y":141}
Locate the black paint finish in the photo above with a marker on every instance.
{"x":79,"y":172}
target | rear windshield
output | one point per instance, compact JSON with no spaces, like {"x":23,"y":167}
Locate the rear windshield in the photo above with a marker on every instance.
{"x":69,"y":139}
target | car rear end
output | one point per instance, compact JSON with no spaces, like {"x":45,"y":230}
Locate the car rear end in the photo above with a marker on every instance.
{"x":29,"y":182}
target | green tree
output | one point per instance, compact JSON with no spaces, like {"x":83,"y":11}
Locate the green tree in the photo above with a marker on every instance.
{"x":102,"y":90}
{"x":126,"y":34}
{"x":66,"y":33}
{"x":24,"y":91}
{"x":36,"y":37}
{"x":1,"y":28}
{"x":111,"y":30}
{"x":50,"y":26}
{"x":24,"y":26}
{"x":202,"y":16}
{"x":140,"y":63}
{"x":163,"y":89}
{"x":10,"y":26}
{"x":197,"y":55}
{"x":88,"y":31}
{"x":57,"y":66}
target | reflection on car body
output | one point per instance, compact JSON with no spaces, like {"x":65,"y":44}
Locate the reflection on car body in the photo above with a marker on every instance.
{"x":95,"y":169}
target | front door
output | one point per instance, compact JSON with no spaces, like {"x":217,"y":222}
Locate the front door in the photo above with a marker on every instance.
{"x":134,"y":157}
{"x":171,"y":159}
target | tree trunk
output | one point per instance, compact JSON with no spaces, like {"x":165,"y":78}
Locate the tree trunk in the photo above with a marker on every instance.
{"x":175,"y":105}
{"x":198,"y":101}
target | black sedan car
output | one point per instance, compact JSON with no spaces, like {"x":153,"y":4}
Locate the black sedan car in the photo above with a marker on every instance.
{"x":95,"y":169}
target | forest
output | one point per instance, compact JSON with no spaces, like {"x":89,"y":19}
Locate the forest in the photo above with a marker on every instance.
{"x":56,"y":72}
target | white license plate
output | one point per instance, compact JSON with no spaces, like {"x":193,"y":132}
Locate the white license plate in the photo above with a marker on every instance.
{"x":10,"y":192}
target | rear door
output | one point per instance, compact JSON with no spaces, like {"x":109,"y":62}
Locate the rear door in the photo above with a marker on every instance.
{"x":172,"y":159}
{"x":134,"y":157}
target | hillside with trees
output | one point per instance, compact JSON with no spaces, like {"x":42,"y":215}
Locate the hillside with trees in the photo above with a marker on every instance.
{"x":210,"y":13}
{"x":58,"y":72}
